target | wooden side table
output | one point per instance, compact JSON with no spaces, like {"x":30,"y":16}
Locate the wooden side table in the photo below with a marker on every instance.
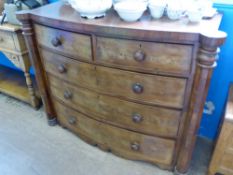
{"x":13,"y":83}
{"x":222,"y":160}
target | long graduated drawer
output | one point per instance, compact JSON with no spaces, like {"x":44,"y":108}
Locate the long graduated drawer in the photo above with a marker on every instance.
{"x":129,"y":115}
{"x":120,"y":141}
{"x":151,"y":89}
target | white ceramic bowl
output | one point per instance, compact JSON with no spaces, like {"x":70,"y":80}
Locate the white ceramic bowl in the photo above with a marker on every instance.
{"x":91,"y":8}
{"x":130,"y":11}
{"x":195,"y":16}
{"x":156,"y":11}
{"x":174,"y":14}
{"x":157,"y":8}
{"x":144,"y":1}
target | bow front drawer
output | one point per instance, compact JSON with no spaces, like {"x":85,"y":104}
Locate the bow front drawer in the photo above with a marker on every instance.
{"x":136,"y":117}
{"x":123,"y":142}
{"x":144,"y":56}
{"x":73,"y":44}
{"x":150,"y":89}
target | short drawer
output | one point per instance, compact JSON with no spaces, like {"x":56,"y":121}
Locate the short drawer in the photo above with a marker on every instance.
{"x":141,"y":118}
{"x":73,"y":44}
{"x":144,"y":56}
{"x":122,"y":142}
{"x":149,"y":89}
{"x":6,"y":40}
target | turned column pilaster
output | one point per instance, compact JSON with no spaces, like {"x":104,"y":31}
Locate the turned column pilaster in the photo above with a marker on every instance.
{"x":206,"y":61}
{"x":40,"y":75}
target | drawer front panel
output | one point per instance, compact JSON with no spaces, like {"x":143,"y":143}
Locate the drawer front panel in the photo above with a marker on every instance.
{"x":133,"y":116}
{"x":145,"y":56}
{"x":73,"y":44}
{"x":122,"y":142}
{"x":6,"y":40}
{"x":150,"y":89}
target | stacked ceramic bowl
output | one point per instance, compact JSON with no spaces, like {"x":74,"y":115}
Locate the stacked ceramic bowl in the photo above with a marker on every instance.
{"x":195,"y":12}
{"x":91,"y":8}
{"x":174,"y":10}
{"x":116,"y":1}
{"x":130,"y":10}
{"x":157,"y":8}
{"x":194,"y":15}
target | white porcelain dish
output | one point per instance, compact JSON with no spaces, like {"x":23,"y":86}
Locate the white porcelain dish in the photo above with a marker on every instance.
{"x":174,"y":12}
{"x":144,"y":1}
{"x":195,"y":15}
{"x":130,"y":11}
{"x":157,"y":8}
{"x":210,"y":13}
{"x":91,"y":8}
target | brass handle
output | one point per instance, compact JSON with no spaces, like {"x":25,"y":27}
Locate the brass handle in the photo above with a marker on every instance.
{"x":61,"y":68}
{"x":137,"y":88}
{"x":56,"y":42}
{"x":140,"y":56}
{"x":137,"y":118}
{"x":67,"y":95}
{"x":135,"y":146}
{"x":72,"y":120}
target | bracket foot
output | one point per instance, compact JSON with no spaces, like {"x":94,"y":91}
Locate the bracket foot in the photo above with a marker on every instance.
{"x":52,"y":122}
{"x":176,"y":172}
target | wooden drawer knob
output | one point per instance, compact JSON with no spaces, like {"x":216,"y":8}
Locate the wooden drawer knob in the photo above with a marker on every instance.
{"x":72,"y":120}
{"x":137,"y":88}
{"x":67,"y":95}
{"x":135,"y":146}
{"x":137,"y":118}
{"x":61,"y":68}
{"x":139,"y":56}
{"x":56,"y":42}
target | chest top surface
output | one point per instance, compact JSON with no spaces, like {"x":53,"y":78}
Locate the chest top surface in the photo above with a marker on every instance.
{"x":65,"y":17}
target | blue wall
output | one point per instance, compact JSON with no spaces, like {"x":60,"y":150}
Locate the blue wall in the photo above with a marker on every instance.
{"x":4,"y":61}
{"x":222,"y":77}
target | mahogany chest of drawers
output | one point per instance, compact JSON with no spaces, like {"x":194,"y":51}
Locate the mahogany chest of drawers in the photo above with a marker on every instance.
{"x":135,"y":89}
{"x":222,"y":160}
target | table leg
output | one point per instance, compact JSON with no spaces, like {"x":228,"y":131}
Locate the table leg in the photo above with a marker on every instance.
{"x":35,"y":101}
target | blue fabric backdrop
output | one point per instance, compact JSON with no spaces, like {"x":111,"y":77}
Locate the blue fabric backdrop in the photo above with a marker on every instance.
{"x":222,"y":77}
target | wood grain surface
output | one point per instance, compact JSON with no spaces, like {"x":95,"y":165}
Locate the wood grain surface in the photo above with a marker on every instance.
{"x":13,"y":83}
{"x":71,"y":43}
{"x":153,"y":120}
{"x":65,"y":17}
{"x":153,"y":67}
{"x":123,"y":142}
{"x":157,"y":90}
{"x":6,"y":40}
{"x":222,"y":160}
{"x":155,"y":58}
{"x":20,"y":86}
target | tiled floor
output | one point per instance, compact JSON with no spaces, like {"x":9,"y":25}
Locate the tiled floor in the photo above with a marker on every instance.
{"x":28,"y":146}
